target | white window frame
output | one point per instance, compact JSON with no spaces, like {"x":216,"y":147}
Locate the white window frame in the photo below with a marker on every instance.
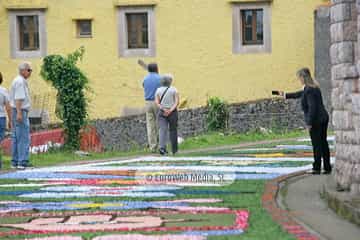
{"x":124,"y":51}
{"x":238,"y":46}
{"x":14,"y":34}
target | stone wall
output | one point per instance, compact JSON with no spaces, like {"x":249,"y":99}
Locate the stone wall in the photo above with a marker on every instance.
{"x":269,"y":113}
{"x":129,"y":132}
{"x":345,"y":91}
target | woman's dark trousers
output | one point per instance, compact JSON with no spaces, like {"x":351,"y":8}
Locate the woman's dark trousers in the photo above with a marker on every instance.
{"x":318,"y":135}
{"x":168,"y":123}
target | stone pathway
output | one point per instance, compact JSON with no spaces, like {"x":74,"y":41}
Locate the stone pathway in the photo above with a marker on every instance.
{"x":281,"y":215}
{"x":303,"y":198}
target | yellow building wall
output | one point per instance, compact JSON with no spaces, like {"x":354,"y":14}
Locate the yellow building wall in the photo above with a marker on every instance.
{"x":194,"y":43}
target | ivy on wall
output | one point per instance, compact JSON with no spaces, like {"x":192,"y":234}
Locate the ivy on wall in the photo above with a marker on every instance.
{"x":71,"y":84}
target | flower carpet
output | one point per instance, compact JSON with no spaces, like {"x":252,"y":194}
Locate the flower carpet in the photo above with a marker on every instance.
{"x":212,"y":196}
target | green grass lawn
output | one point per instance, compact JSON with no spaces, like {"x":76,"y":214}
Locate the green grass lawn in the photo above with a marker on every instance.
{"x":214,"y":139}
{"x":261,"y":225}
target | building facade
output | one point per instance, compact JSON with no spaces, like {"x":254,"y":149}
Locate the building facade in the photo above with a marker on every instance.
{"x":236,"y":49}
{"x":345,"y":42}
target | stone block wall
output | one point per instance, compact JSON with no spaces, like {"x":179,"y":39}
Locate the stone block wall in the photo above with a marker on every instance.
{"x":345,"y":35}
{"x":125,"y":133}
{"x":268,"y":113}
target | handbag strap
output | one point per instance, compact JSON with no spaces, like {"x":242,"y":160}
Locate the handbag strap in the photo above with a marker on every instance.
{"x":163,"y":95}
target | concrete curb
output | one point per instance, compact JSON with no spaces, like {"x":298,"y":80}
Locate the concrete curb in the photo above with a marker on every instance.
{"x":286,"y":219}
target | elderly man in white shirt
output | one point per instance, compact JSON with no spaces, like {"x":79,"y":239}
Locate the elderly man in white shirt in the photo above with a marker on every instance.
{"x":20,"y":104}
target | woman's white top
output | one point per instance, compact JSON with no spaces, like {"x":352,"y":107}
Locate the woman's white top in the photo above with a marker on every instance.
{"x":169,"y":98}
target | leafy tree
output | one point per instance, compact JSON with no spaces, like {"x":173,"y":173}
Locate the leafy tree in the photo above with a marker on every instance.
{"x":71,"y":84}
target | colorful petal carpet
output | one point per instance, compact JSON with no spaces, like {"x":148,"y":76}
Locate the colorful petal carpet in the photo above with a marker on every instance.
{"x":207,"y":196}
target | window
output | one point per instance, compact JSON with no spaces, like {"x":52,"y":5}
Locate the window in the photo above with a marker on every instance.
{"x":251,"y":28}
{"x":84,"y":28}
{"x":137,"y":31}
{"x":27,"y":34}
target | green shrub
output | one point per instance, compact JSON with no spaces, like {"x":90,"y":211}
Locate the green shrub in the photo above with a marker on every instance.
{"x":71,"y":84}
{"x":218,"y":114}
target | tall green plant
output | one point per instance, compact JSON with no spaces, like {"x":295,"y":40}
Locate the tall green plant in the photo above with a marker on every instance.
{"x":71,"y":84}
{"x":218,"y":114}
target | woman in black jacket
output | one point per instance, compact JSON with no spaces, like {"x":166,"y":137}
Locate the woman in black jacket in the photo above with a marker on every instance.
{"x":316,"y":118}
